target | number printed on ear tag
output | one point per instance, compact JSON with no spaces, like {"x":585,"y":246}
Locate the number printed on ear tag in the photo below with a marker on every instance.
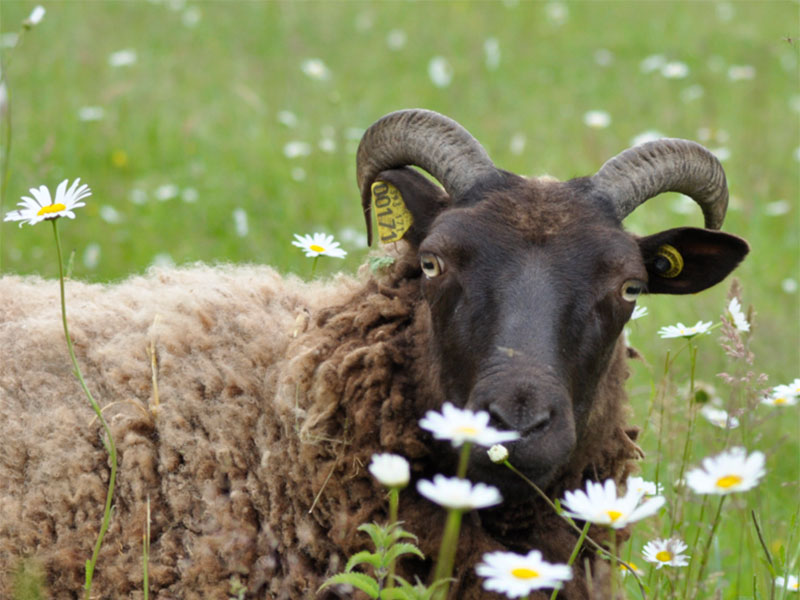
{"x":393,"y":217}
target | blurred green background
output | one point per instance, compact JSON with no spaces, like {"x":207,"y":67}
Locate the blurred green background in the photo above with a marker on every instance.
{"x":215,"y":130}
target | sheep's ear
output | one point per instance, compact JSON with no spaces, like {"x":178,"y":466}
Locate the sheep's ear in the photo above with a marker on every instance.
{"x":687,"y":260}
{"x":405,"y":203}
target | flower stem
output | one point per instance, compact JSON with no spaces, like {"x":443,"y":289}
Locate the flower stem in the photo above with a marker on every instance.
{"x":314,"y":266}
{"x":572,"y":524}
{"x":614,"y":568}
{"x":447,"y":552}
{"x":108,"y":443}
{"x":463,"y":460}
{"x":575,"y":552}
{"x":394,"y":501}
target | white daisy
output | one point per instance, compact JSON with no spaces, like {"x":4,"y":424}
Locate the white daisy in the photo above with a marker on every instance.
{"x":783,"y":395}
{"x":600,"y":504}
{"x":491,"y":52}
{"x":41,"y":207}
{"x":719,"y":417}
{"x":790,"y":582}
{"x":654,"y":62}
{"x":296,"y":149}
{"x":597,"y":119}
{"x":625,"y":571}
{"x":36,"y":16}
{"x":666,"y":553}
{"x":683,"y":331}
{"x":517,"y":575}
{"x":240,"y":222}
{"x":122,"y":58}
{"x":730,"y":471}
{"x":793,"y":389}
{"x":440,"y":71}
{"x":645,"y":488}
{"x":737,"y":315}
{"x":460,"y":494}
{"x":390,"y":470}
{"x":319,"y":245}
{"x":315,"y":68}
{"x":675,"y":70}
{"x":638,"y":313}
{"x":741,"y":72}
{"x":460,"y":425}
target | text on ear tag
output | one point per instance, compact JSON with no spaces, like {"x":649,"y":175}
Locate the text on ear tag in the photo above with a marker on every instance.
{"x":394,"y":219}
{"x":668,"y":262}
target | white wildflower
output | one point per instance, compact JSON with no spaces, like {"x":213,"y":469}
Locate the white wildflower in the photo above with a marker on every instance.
{"x":459,"y":494}
{"x":728,"y":472}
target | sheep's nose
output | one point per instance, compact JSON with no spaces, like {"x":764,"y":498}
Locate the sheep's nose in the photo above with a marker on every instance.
{"x":519,"y":418}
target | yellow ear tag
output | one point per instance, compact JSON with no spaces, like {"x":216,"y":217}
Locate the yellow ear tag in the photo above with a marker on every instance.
{"x":393,"y":217}
{"x":672,"y":265}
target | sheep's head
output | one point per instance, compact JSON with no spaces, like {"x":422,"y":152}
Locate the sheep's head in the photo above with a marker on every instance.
{"x":529,"y":282}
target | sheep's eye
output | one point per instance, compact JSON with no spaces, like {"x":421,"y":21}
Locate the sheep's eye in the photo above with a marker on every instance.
{"x":632,"y":289}
{"x":431,"y":264}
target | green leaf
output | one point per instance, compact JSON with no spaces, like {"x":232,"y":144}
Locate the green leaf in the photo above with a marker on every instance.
{"x":406,"y":591}
{"x":362,"y":557}
{"x":400,"y":549}
{"x":360,"y":581}
{"x":380,"y":536}
{"x":397,"y":532}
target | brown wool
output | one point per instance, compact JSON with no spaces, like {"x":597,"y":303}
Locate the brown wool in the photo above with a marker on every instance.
{"x":254,"y":461}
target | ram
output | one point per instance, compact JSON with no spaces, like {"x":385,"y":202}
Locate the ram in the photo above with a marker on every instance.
{"x":246,"y":405}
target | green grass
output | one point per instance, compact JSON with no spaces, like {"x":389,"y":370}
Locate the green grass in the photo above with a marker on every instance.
{"x":199,"y":109}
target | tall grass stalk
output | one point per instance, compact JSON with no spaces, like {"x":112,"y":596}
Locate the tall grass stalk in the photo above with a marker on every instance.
{"x":108,"y":442}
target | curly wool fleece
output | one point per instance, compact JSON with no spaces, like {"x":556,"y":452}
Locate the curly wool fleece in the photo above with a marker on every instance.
{"x":272,"y":396}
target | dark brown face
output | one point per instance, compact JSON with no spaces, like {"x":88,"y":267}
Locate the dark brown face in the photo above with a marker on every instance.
{"x":529,"y":282}
{"x":525,"y":315}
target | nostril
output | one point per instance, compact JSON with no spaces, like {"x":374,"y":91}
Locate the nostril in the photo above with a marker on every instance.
{"x":497,"y":415}
{"x":540,"y":421}
{"x":520,"y":420}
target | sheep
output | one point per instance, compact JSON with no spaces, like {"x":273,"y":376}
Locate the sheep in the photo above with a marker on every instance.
{"x":246,"y":405}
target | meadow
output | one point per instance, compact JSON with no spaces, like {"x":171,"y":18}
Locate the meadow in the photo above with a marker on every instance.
{"x":214,"y":131}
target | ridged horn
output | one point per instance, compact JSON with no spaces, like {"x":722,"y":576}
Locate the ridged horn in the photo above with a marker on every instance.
{"x":666,"y":165}
{"x":425,"y":139}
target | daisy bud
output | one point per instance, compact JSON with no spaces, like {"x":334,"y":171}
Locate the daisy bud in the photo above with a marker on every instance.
{"x":36,"y":16}
{"x":498,"y":454}
{"x":390,"y":470}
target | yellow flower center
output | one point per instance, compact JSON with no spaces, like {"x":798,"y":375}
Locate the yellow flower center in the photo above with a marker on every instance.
{"x":728,"y":481}
{"x":524,"y":573}
{"x":779,"y":400}
{"x":613,"y":515}
{"x":52,"y":208}
{"x":316,"y":248}
{"x":664,"y":556}
{"x":467,"y":430}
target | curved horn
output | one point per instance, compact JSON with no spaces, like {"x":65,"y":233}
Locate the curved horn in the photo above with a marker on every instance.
{"x":425,"y":139}
{"x":667,"y":165}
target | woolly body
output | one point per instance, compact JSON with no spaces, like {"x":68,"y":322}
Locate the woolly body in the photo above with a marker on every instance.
{"x":274,"y":393}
